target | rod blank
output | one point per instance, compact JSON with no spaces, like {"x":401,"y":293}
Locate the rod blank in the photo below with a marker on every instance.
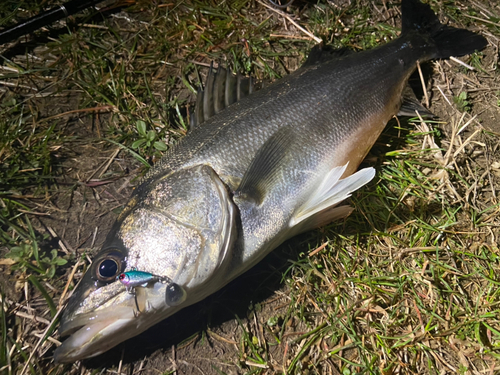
{"x":45,"y":18}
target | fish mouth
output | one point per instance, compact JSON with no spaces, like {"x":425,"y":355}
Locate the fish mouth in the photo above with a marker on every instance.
{"x":94,"y":333}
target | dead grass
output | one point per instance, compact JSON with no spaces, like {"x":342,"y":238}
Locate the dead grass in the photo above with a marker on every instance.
{"x":407,"y":284}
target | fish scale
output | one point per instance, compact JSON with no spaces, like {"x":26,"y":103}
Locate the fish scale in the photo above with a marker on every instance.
{"x":274,"y":164}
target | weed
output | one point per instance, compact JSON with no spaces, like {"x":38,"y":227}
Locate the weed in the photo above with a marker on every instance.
{"x":476,"y":61}
{"x":23,"y":256}
{"x":147,"y":139}
{"x":462,"y":103}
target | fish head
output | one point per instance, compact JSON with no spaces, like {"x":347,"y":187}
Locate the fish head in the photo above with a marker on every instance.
{"x":179,"y":228}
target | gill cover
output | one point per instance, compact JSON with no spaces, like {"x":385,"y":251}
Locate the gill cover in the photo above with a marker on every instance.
{"x":179,"y":227}
{"x":182,"y":227}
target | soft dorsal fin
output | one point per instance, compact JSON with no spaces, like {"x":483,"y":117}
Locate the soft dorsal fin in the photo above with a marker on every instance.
{"x":222,"y":88}
{"x":321,"y":53}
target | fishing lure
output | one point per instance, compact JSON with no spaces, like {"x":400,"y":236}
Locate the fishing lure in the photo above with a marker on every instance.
{"x":174,"y":295}
{"x":132,"y":279}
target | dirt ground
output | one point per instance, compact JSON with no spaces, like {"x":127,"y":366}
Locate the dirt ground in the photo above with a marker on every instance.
{"x":96,"y":180}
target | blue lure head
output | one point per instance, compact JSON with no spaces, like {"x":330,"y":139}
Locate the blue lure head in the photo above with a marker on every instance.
{"x":132,"y":279}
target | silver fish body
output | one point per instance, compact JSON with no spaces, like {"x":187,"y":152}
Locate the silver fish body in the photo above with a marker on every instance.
{"x":268,"y":167}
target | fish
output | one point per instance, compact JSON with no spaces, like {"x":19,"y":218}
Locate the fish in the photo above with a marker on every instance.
{"x":273,"y":164}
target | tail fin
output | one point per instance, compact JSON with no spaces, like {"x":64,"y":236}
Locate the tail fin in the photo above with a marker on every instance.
{"x":448,"y":41}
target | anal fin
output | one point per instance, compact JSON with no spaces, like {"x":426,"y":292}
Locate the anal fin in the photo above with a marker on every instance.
{"x":410,"y":104}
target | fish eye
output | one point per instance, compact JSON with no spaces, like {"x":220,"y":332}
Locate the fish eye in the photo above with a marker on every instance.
{"x":108,"y":266}
{"x":174,"y":295}
{"x":107,"y":269}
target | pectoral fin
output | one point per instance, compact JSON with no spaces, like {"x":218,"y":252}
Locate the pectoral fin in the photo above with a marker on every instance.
{"x":320,"y":208}
{"x":266,"y":168}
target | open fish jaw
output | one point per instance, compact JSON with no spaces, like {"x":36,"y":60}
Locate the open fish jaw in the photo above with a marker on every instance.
{"x":94,"y":331}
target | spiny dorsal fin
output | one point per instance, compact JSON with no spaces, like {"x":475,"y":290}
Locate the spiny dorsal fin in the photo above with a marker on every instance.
{"x":219,"y":90}
{"x":208,"y":100}
{"x":230,"y":92}
{"x":222,"y":89}
{"x":197,"y":113}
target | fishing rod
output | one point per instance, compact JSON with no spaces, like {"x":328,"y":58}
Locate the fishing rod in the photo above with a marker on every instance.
{"x":60,"y":12}
{"x":45,"y":18}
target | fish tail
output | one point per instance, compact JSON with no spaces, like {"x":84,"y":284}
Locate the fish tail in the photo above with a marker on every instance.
{"x":442,"y":41}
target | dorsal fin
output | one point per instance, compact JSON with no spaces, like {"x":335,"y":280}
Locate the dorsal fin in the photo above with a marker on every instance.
{"x":208,"y":100}
{"x":321,"y":53}
{"x":219,"y":91}
{"x":222,"y":89}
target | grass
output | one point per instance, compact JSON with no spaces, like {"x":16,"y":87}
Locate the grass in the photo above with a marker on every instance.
{"x":407,"y":284}
{"x":404,"y":293}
